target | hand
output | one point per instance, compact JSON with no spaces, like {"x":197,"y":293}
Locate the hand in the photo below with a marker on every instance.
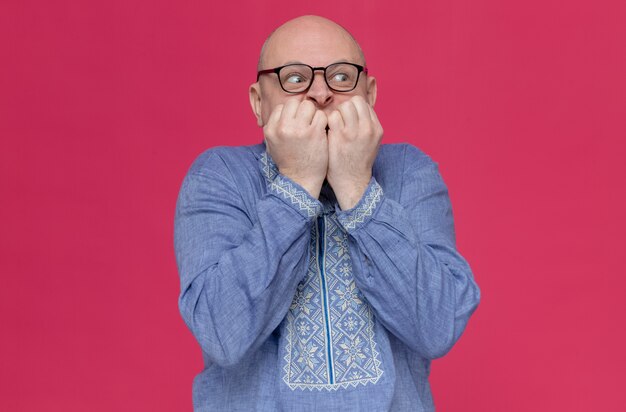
{"x":295,"y":137}
{"x":353,"y":139}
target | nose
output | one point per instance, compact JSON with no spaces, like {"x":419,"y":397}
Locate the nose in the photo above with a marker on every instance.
{"x":319,"y":91}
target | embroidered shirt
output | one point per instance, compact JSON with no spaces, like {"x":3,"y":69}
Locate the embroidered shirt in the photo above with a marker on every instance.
{"x":299,"y":305}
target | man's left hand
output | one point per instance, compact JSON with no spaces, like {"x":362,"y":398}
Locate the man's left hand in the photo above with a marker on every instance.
{"x":354,"y":136}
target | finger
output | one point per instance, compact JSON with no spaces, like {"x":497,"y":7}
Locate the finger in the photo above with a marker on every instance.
{"x":378,"y":127}
{"x":335,"y":121}
{"x":275,"y":115}
{"x":319,"y":120}
{"x":374,"y":117}
{"x":290,"y":109}
{"x":349,"y":115}
{"x":306,"y":111}
{"x":362,"y":110}
{"x":373,"y":114}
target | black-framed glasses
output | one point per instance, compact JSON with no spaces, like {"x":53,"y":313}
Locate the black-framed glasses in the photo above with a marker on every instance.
{"x":298,"y":77}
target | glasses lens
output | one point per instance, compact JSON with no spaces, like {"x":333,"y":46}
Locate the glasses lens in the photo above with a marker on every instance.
{"x":295,"y":77}
{"x":341,"y":76}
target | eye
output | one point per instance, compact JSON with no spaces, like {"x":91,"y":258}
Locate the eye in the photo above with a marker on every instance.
{"x":340,"y":77}
{"x":294,"y":78}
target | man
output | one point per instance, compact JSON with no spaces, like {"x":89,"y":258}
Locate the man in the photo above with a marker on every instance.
{"x":318,"y":269}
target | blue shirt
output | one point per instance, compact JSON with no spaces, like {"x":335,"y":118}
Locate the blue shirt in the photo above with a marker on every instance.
{"x":299,"y":305}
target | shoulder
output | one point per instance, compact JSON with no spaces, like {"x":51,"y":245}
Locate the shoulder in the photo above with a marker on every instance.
{"x":233,"y":160}
{"x":402,"y":167}
{"x":401,"y":156}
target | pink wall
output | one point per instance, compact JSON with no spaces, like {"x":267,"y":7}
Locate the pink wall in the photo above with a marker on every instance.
{"x":104,"y":105}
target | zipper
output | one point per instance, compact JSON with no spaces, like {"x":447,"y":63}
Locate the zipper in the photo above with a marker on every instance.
{"x":321,"y":249}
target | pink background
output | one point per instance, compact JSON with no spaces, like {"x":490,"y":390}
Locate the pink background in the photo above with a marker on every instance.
{"x":104,"y":105}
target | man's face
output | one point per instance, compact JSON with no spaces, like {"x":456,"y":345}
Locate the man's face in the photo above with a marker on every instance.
{"x":318,"y":44}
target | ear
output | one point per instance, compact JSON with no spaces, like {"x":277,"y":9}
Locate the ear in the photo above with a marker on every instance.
{"x":255,"y":102}
{"x":371,"y":90}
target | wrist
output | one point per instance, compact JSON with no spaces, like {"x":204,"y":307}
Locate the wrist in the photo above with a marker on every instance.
{"x":312,"y":186}
{"x":348,"y":194}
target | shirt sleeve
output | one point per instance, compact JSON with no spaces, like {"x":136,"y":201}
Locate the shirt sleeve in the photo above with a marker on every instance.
{"x":405,"y":259}
{"x":237,"y":277}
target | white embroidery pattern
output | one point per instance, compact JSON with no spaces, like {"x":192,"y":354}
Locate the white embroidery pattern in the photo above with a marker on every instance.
{"x":330,"y":326}
{"x":283,"y":188}
{"x":360,"y":213}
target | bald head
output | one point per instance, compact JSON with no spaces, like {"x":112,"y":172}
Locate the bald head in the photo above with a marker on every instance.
{"x":306,"y":31}
{"x":316,"y":42}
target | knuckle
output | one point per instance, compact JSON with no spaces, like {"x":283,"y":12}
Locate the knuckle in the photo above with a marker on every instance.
{"x":283,"y":130}
{"x":268,"y":130}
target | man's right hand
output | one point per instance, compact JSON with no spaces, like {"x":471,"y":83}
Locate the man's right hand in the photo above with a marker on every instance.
{"x":295,"y":137}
